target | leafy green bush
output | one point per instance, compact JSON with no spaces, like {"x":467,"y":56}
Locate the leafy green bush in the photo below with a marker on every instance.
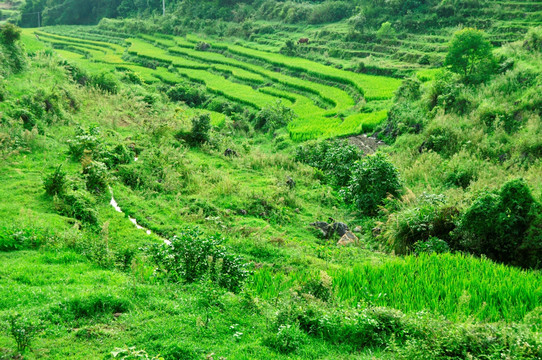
{"x":85,"y":140}
{"x":199,"y":134}
{"x":335,"y":158}
{"x":433,"y":245}
{"x":96,"y":177}
{"x":55,"y":182}
{"x":533,"y":39}
{"x":330,"y":11}
{"x":430,"y":217}
{"x":13,"y":238}
{"x":372,"y":180}
{"x":496,"y":224}
{"x":78,"y":204}
{"x":192,"y":96}
{"x":462,"y":170}
{"x":105,"y":81}
{"x":9,"y":33}
{"x":287,"y":339}
{"x":190,"y":256}
{"x":22,"y":330}
{"x":273,"y":116}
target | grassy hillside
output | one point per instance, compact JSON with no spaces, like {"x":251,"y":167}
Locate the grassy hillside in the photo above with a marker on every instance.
{"x":159,"y":197}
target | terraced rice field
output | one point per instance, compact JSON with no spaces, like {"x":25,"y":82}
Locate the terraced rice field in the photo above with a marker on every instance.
{"x":328,"y":101}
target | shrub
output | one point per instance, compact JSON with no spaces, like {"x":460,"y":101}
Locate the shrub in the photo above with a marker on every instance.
{"x":85,"y":140}
{"x":273,"y":116}
{"x":55,"y":182}
{"x":429,"y":218}
{"x":496,"y":224}
{"x":9,"y":33}
{"x":105,"y":81}
{"x":91,"y":306}
{"x":190,"y":256}
{"x":192,"y":96}
{"x":96,"y":177}
{"x":12,"y":239}
{"x":22,"y":330}
{"x":372,"y":180}
{"x":433,"y":245}
{"x":78,"y":204}
{"x":533,"y":39}
{"x":199,"y":134}
{"x":287,"y":339}
{"x":335,"y":158}
{"x":330,"y":11}
{"x":462,"y":170}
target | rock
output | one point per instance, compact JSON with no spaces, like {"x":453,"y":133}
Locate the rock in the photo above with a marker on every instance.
{"x":348,"y":239}
{"x":358,"y":229}
{"x":339,"y":228}
{"x":323,"y":227}
{"x":230,"y":153}
{"x":243,"y":212}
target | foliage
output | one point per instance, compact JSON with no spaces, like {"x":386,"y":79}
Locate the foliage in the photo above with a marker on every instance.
{"x":372,"y":180}
{"x":533,"y":39}
{"x":105,"y":81}
{"x":192,"y":96}
{"x":496,"y":223}
{"x":273,"y":117}
{"x":335,"y":158}
{"x":287,"y":339}
{"x":96,"y":177}
{"x":470,"y":54}
{"x":190,"y":256}
{"x":199,"y":134}
{"x":132,"y":353}
{"x":9,"y":34}
{"x":55,"y":183}
{"x":78,"y":204}
{"x":22,"y":330}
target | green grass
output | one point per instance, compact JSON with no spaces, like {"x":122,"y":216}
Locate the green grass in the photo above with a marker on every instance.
{"x":231,"y":78}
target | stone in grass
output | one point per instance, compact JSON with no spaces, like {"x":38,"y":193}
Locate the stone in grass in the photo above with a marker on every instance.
{"x":348,"y":239}
{"x":340,"y":228}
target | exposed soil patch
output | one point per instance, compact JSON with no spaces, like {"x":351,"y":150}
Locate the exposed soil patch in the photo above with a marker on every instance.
{"x":367,"y":144}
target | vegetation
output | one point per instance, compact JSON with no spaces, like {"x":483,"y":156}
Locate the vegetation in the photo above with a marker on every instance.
{"x":166,"y":180}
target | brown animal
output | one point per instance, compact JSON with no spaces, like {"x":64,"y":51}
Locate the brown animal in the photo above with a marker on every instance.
{"x":303,"y":41}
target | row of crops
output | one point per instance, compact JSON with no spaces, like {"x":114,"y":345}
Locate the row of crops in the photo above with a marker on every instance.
{"x":328,"y":102}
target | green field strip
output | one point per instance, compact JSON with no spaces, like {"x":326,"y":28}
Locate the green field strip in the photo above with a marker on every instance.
{"x":240,"y":73}
{"x":98,"y":44}
{"x":143,"y":49}
{"x":335,"y":96}
{"x":372,"y":87}
{"x":302,"y":105}
{"x":56,"y":42}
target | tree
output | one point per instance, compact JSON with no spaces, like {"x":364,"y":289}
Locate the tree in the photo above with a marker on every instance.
{"x":470,"y":55}
{"x":9,"y":33}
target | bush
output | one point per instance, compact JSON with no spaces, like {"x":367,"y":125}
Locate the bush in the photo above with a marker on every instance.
{"x":273,"y":117}
{"x":22,"y":330}
{"x":105,"y":81}
{"x":78,"y":204}
{"x":335,"y":158}
{"x":55,"y":183}
{"x":199,"y":134}
{"x":533,"y":39}
{"x":89,"y":307}
{"x":330,"y":11}
{"x":192,"y":96}
{"x":96,"y":177}
{"x":433,"y":245}
{"x":86,"y":140}
{"x":190,"y":257}
{"x":9,"y":33}
{"x":287,"y":339}
{"x":372,"y":180}
{"x":496,"y":224}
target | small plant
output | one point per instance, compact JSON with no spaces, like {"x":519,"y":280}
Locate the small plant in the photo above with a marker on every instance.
{"x":287,"y":339}
{"x":190,"y":256}
{"x":96,"y":177}
{"x":373,"y":179}
{"x":199,"y":134}
{"x":55,"y":182}
{"x":273,"y":117}
{"x":132,"y":353}
{"x":433,"y":245}
{"x":22,"y":330}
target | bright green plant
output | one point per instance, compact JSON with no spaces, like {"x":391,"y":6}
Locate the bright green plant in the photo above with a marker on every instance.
{"x":55,"y":182}
{"x":273,"y":117}
{"x":22,"y":330}
{"x":96,"y":177}
{"x":373,"y":179}
{"x":471,"y":55}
